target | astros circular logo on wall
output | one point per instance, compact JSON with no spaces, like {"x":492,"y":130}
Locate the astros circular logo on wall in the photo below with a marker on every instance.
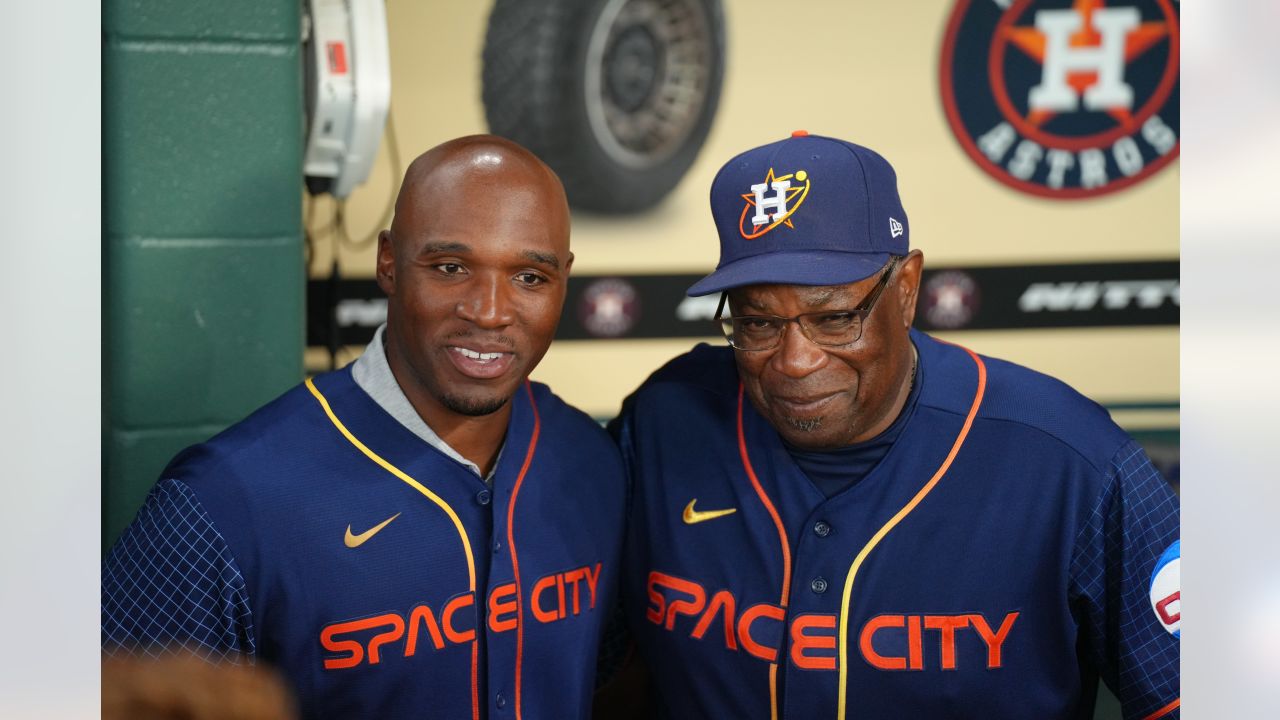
{"x":609,"y":307}
{"x":1064,"y":98}
{"x":950,"y":299}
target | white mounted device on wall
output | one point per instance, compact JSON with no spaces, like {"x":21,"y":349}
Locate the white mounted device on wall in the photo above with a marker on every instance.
{"x":348,"y":91}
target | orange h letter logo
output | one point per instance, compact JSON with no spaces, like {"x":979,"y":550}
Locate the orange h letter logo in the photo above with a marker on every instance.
{"x":1105,"y":58}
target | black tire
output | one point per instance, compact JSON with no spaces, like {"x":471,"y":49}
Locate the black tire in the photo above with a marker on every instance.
{"x":617,"y":100}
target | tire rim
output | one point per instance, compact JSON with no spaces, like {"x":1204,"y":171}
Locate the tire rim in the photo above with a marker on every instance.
{"x":647,"y":75}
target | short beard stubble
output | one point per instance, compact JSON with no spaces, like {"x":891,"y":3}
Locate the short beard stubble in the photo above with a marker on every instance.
{"x":470,"y":407}
{"x":807,"y":425}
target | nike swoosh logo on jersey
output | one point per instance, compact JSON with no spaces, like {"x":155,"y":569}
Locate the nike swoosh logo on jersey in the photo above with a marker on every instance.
{"x":692,"y":517}
{"x":354,"y":541}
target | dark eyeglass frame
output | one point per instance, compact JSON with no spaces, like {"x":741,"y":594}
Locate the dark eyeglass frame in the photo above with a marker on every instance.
{"x":862,"y":310}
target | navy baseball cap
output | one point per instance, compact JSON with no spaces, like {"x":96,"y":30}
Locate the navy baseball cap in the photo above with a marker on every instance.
{"x":807,"y":210}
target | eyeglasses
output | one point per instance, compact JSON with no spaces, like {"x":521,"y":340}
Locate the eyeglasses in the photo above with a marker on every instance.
{"x":825,"y":327}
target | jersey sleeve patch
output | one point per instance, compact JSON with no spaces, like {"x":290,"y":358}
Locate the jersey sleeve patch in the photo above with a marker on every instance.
{"x":170,"y":583}
{"x":1166,"y":589}
{"x":1121,"y":552}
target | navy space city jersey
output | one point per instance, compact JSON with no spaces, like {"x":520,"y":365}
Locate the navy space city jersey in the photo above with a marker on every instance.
{"x":381,"y":577}
{"x":1004,"y":554}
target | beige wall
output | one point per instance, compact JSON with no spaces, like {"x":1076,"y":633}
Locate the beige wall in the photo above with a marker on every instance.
{"x":864,"y":71}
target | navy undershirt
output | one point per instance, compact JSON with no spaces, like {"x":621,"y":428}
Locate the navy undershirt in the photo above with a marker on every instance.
{"x":834,"y":470}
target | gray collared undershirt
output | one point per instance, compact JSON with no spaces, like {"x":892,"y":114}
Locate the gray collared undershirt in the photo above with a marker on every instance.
{"x":373,"y":374}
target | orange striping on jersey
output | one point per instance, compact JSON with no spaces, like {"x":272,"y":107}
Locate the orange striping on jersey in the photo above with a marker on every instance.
{"x":462,"y":533}
{"x":782,"y":540}
{"x":773,"y":691}
{"x":745,"y":621}
{"x":843,"y":635}
{"x":475,"y":682}
{"x":1165,"y":710}
{"x":511,"y":541}
{"x":773,"y":512}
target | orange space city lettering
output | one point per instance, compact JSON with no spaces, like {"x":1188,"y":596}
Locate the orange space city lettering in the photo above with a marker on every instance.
{"x":553,"y":598}
{"x":670,"y":596}
{"x":813,"y":635}
{"x":909,"y":655}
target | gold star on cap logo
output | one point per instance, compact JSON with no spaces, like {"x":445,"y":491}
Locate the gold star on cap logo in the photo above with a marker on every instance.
{"x":784,"y":203}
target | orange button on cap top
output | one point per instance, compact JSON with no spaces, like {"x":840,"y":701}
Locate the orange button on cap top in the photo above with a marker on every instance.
{"x":799,"y":133}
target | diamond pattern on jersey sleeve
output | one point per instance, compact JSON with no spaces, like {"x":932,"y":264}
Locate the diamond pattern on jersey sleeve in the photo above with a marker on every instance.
{"x":1133,"y":522}
{"x":170,"y":584}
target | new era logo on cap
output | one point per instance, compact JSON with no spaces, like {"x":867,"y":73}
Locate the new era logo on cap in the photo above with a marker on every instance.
{"x":808,"y":210}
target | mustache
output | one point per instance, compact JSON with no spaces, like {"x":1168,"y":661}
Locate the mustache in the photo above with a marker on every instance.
{"x":802,"y":390}
{"x":486,"y":338}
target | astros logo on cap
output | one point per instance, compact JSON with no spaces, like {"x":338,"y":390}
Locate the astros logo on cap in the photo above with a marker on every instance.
{"x":776,"y":209}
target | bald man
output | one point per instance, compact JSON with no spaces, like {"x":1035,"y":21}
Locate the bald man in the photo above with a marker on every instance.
{"x":425,"y":532}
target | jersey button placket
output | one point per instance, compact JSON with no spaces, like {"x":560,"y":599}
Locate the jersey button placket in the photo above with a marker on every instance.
{"x":821,"y":529}
{"x":818,"y":585}
{"x":484,"y":497}
{"x":500,"y":700}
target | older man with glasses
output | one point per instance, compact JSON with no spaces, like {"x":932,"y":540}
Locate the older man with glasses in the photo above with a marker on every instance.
{"x":839,"y":516}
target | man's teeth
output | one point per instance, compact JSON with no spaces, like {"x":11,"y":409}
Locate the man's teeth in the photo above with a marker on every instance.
{"x":483,"y":357}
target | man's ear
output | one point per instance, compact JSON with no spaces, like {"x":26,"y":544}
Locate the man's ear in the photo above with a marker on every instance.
{"x":909,"y":285}
{"x":568,"y":265}
{"x":385,"y":267}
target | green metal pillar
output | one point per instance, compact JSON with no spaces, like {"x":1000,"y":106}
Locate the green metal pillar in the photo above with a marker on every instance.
{"x":203,"y":279}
